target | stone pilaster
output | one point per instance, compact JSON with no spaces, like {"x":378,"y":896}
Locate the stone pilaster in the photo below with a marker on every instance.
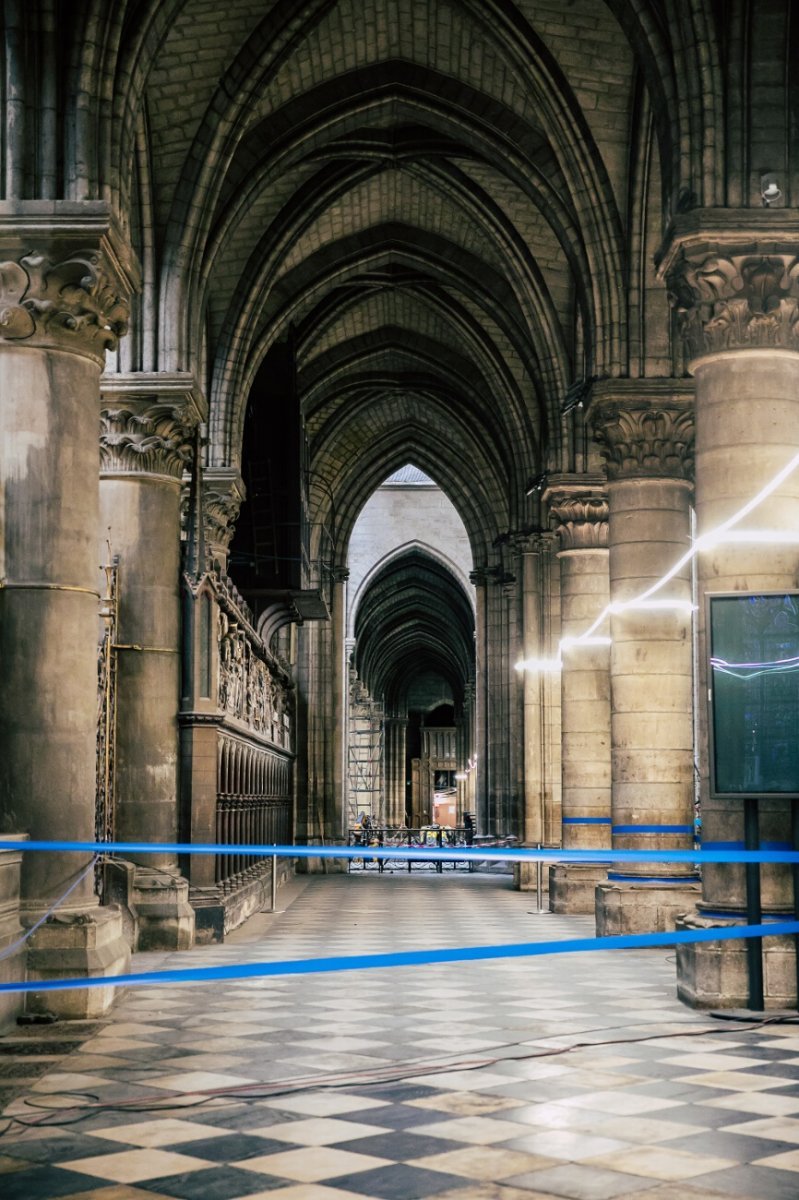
{"x":578,"y":509}
{"x":147,"y":427}
{"x":645,"y":430}
{"x":66,"y":277}
{"x":733,"y":280}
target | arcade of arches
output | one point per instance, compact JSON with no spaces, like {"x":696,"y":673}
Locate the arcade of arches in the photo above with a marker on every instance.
{"x":541,"y":258}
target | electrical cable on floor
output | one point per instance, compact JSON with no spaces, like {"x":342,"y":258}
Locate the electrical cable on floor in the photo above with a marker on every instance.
{"x":374,"y":1077}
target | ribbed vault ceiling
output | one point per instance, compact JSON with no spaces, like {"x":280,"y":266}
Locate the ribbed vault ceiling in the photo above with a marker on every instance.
{"x":414,"y":619}
{"x":453,"y":204}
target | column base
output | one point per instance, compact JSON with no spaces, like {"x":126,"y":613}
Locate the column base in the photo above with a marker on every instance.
{"x":714,"y":974}
{"x":84,"y":944}
{"x":12,"y":968}
{"x":572,"y":886}
{"x":218,"y":911}
{"x":154,"y":904}
{"x":642,"y":907}
{"x":525,"y":879}
{"x":165,"y":917}
{"x":322,"y":866}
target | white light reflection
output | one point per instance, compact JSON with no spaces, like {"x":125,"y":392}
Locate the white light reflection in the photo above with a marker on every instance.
{"x":754,"y":669}
{"x":706,"y":541}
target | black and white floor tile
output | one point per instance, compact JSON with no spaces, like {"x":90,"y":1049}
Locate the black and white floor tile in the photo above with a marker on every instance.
{"x":520,"y":1079}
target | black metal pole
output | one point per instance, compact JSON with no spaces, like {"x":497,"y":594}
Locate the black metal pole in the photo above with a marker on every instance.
{"x":795,"y":871}
{"x":754,"y":912}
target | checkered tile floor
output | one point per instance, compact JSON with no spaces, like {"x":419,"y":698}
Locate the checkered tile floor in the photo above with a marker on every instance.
{"x":355,"y":1085}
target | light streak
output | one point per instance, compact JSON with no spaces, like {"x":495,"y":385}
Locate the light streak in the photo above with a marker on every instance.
{"x":539,"y":664}
{"x":618,"y":607}
{"x":584,"y":639}
{"x":778,"y":667}
{"x":721,"y":535}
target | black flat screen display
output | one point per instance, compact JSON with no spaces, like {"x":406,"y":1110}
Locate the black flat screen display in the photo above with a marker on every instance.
{"x":754,"y":694}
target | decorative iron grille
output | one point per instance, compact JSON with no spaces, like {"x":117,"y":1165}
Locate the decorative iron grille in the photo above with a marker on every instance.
{"x":104,"y":812}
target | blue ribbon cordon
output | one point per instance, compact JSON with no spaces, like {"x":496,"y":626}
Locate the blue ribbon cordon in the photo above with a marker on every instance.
{"x":410,"y":958}
{"x":407,"y":958}
{"x":418,"y":853}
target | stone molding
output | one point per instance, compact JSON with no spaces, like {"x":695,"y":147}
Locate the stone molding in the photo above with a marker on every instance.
{"x":578,"y":509}
{"x":645,"y":432}
{"x":148,"y":423}
{"x":66,"y":277}
{"x":734,"y":289}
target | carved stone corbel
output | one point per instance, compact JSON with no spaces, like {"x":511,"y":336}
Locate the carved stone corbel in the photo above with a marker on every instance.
{"x":223,"y":495}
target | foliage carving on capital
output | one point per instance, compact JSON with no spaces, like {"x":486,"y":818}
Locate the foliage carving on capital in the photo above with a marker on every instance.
{"x":736,"y":301}
{"x":221,"y":505}
{"x":645,"y":441}
{"x":71,"y":304}
{"x":156,"y":440}
{"x":580,"y":520}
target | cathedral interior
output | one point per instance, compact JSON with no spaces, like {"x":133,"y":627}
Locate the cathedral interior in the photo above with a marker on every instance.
{"x":399,"y":442}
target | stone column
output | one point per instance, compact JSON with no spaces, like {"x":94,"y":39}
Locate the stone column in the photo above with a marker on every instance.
{"x":12,"y":961}
{"x":551,"y":688}
{"x":527,"y":549}
{"x":481,"y":774}
{"x":146,"y":428}
{"x":645,"y":429}
{"x":335,"y":824}
{"x":736,"y":297}
{"x":466,"y":787}
{"x":65,"y":280}
{"x":394,"y":769}
{"x":579,"y":507}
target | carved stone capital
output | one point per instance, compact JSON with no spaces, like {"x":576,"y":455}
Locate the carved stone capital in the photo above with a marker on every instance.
{"x":526,"y":542}
{"x":645,"y":428}
{"x":480,"y":576}
{"x":147,"y":423}
{"x":578,"y":509}
{"x":734,"y":288}
{"x":66,"y":277}
{"x":150,"y":441}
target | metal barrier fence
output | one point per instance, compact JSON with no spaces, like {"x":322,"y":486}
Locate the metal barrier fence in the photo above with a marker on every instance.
{"x":427,"y":837}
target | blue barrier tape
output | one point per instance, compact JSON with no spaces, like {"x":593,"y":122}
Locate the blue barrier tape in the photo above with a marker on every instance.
{"x":739,"y":914}
{"x":418,"y":853}
{"x":671,"y":880}
{"x":736,"y":845}
{"x":407,"y":958}
{"x":653,"y":828}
